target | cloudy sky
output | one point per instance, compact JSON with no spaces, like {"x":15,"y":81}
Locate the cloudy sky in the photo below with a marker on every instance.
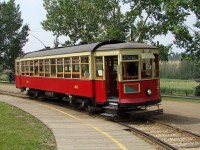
{"x":33,"y":14}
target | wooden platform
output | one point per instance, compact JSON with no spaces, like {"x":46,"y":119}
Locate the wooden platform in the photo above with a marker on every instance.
{"x":77,"y":130}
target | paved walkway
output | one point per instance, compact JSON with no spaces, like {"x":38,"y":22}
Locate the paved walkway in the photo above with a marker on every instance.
{"x":76,"y":130}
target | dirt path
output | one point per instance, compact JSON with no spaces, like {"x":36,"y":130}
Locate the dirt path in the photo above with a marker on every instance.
{"x":184,"y":115}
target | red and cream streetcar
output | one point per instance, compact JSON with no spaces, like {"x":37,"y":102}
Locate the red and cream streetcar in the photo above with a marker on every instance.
{"x":109,"y":74}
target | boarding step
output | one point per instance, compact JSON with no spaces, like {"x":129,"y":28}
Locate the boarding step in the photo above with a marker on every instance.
{"x":111,"y":109}
{"x":109,"y":115}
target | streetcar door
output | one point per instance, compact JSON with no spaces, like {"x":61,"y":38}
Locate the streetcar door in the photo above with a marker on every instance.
{"x":111,"y":63}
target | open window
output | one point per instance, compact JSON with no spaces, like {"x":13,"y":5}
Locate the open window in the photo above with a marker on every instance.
{"x":23,"y":67}
{"x":146,"y":68}
{"x":27,"y":68}
{"x":31,"y":68}
{"x":36,"y":70}
{"x":60,"y":67}
{"x":17,"y":68}
{"x":53,"y":67}
{"x":130,"y":70}
{"x":156,"y":66}
{"x":85,"y":67}
{"x":67,"y":67}
{"x":75,"y":67}
{"x":47,"y":67}
{"x":147,"y":65}
{"x":41,"y":68}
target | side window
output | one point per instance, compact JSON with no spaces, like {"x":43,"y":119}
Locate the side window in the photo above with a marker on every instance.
{"x":75,"y":67}
{"x":130,"y":70}
{"x":67,"y":67}
{"x":85,"y":67}
{"x":99,"y":67}
{"x":31,"y":68}
{"x":36,"y":67}
{"x":47,"y":67}
{"x":60,"y":67}
{"x":53,"y":67}
{"x":146,"y":68}
{"x":23,"y":68}
{"x":27,"y":68}
{"x":156,"y":65}
{"x":17,"y":68}
{"x":41,"y":68}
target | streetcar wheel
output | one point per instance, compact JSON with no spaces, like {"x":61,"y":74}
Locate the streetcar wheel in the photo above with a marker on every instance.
{"x":32,"y":96}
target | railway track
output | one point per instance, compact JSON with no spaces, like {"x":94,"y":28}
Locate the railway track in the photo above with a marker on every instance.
{"x":167,"y":137}
{"x":164,"y":135}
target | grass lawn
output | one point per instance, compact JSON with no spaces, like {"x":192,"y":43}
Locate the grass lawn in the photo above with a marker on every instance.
{"x":180,"y":99}
{"x":21,"y":131}
{"x":7,"y":83}
{"x":178,"y":86}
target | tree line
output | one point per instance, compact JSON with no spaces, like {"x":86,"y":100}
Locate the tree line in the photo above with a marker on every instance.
{"x":179,"y":70}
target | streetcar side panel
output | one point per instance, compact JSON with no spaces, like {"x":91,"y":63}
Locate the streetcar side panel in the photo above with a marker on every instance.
{"x":65,"y":86}
{"x":100,"y":91}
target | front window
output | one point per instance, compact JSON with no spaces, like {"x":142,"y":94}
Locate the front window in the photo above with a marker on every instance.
{"x":156,"y":66}
{"x":130,"y":70}
{"x":146,"y":68}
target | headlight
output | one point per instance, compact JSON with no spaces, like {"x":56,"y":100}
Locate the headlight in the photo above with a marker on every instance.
{"x":149,"y":92}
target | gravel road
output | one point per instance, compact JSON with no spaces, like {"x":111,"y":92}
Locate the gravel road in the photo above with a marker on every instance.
{"x":184,"y":115}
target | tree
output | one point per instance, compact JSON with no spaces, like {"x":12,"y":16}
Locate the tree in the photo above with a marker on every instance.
{"x":149,"y":18}
{"x":165,"y":52}
{"x":95,"y":20}
{"x":84,"y":20}
{"x":13,"y":33}
{"x":191,"y":42}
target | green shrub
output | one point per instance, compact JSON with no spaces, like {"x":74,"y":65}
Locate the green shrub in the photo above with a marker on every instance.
{"x":197,"y":91}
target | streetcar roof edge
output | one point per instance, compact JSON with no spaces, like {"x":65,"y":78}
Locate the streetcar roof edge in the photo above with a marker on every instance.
{"x":100,"y":46}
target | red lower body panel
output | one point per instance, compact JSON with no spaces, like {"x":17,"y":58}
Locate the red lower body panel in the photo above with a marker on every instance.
{"x":100,"y":91}
{"x":136,"y":92}
{"x":60,"y":85}
{"x":130,"y":93}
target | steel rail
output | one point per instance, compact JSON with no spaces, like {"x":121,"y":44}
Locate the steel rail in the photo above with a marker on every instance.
{"x":174,"y":128}
{"x":150,"y":137}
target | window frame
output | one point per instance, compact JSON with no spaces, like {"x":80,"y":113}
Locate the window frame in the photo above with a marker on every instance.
{"x":53,"y":65}
{"x":75,"y":62}
{"x":85,"y":74}
{"x":47,"y":64}
{"x":41,"y":68}
{"x":68,"y":64}
{"x":95,"y":68}
{"x":60,"y":74}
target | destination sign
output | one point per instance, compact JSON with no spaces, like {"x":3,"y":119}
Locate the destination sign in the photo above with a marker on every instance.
{"x":130,"y":57}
